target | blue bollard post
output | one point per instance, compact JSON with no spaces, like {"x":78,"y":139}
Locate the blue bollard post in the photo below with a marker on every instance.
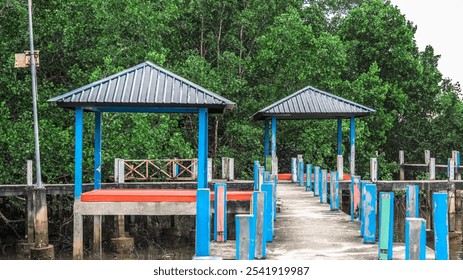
{"x":362,"y":208}
{"x":334,"y":191}
{"x":415,"y":239}
{"x":441,"y":226}
{"x":316,"y":178}
{"x":293,"y":170}
{"x":308,"y":184}
{"x":369,"y":234}
{"x":256,"y":175}
{"x":203,"y":222}
{"x":412,"y":202}
{"x":268,"y":215}
{"x":220,"y":212}
{"x":301,"y":173}
{"x":245,"y":237}
{"x":258,"y":210}
{"x":386,"y":225}
{"x":324,"y":189}
{"x":355,"y":198}
{"x":261,"y":176}
{"x":320,"y":184}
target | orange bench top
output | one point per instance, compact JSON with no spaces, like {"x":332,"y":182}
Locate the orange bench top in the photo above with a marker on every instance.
{"x":155,"y":195}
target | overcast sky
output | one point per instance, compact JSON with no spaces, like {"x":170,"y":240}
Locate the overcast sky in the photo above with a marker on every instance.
{"x":440,"y":24}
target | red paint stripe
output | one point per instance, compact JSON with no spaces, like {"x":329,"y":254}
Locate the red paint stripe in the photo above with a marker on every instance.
{"x":166,"y":195}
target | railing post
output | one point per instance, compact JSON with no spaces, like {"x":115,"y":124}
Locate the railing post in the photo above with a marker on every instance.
{"x":224,"y":168}
{"x":220,"y":212}
{"x":354,"y":197}
{"x":412,"y":202}
{"x":245,"y":237}
{"x":451,"y":195}
{"x":121,"y":171}
{"x":30,"y":180}
{"x":316,"y":180}
{"x":374,"y":169}
{"x":441,"y":228}
{"x":415,"y":239}
{"x":427,"y":156}
{"x":386,"y":225}
{"x":401,"y":163}
{"x":269,"y":211}
{"x":324,"y":186}
{"x":293,"y":170}
{"x":334,"y":191}
{"x":308,"y":185}
{"x":432,"y":169}
{"x":369,"y":203}
{"x":209,"y":170}
{"x":231,"y":169}
{"x":340,"y":167}
{"x":258,"y":208}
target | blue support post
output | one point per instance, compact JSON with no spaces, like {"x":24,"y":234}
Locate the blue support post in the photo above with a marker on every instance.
{"x":269,"y":211}
{"x":316,"y":180}
{"x":412,"y":202}
{"x":245,"y":237}
{"x":441,"y":226}
{"x":324,"y":188}
{"x":293,"y":170}
{"x":220,"y":212}
{"x":203,"y":223}
{"x":256,"y":175}
{"x":308,"y":185}
{"x":352,"y":146}
{"x":97,"y":151}
{"x":369,"y":235}
{"x":334,"y":191}
{"x":386,"y":225}
{"x":339,"y":136}
{"x":415,"y":239}
{"x":266,"y":140}
{"x":301,"y":173}
{"x":258,"y":210}
{"x":274,"y":137}
{"x":79,"y":134}
{"x":320,"y":185}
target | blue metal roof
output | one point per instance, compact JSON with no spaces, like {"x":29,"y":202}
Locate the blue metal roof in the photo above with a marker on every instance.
{"x":312,"y":103}
{"x":144,"y":85}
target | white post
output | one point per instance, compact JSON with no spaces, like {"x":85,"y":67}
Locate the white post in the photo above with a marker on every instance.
{"x":209,"y":170}
{"x":30,"y":180}
{"x":231,"y":169}
{"x":374,"y":169}
{"x":224,"y":168}
{"x":340,"y":165}
{"x":120,"y":171}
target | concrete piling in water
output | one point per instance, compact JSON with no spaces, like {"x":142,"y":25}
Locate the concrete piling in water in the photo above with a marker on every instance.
{"x":42,"y":249}
{"x":369,"y":210}
{"x":220,"y":212}
{"x":334,"y":191}
{"x":415,"y":239}
{"x":412,"y":202}
{"x":441,"y":226}
{"x":386,"y":225}
{"x":258,"y":208}
{"x":245,"y":237}
{"x":293,"y":170}
{"x":316,"y":185}
{"x":308,"y":184}
{"x":267,"y":187}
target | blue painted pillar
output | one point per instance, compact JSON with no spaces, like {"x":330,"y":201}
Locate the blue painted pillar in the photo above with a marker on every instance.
{"x":97,"y":151}
{"x":256,"y":175}
{"x":220,"y":212}
{"x":258,"y":210}
{"x":415,"y":239}
{"x":293,"y":170}
{"x":316,"y":179}
{"x":203,"y":222}
{"x":339,"y":136}
{"x":334,"y":191}
{"x":369,"y":235}
{"x":245,"y":237}
{"x":386,"y":225}
{"x":441,"y":225}
{"x":412,"y":202}
{"x":274,"y":137}
{"x":79,"y":134}
{"x":268,"y":211}
{"x":266,"y":140}
{"x":352,"y":146}
{"x":308,"y":185}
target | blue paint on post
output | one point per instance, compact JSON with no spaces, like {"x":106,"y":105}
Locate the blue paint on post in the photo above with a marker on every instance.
{"x":256,"y":175}
{"x":266,"y":140}
{"x":369,"y":235}
{"x":216,"y":210}
{"x":352,"y":146}
{"x":293,"y":170}
{"x":316,"y":190}
{"x":386,"y":225}
{"x":308,"y":185}
{"x":78,"y":152}
{"x":301,"y":174}
{"x":415,"y":239}
{"x":412,"y":202}
{"x":268,"y":211}
{"x":97,"y":151}
{"x":245,"y":237}
{"x":324,"y":195}
{"x":255,"y":211}
{"x":203,"y":222}
{"x":362,"y":207}
{"x":202,"y":148}
{"x":334,"y":191}
{"x":274,"y":137}
{"x":441,"y":226}
{"x":339,"y":136}
{"x":320,"y":184}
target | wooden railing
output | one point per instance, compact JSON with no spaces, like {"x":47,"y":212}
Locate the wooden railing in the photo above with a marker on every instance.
{"x":160,"y":169}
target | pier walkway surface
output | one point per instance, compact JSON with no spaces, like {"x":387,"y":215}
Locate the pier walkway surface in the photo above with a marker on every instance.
{"x":306,"y":229}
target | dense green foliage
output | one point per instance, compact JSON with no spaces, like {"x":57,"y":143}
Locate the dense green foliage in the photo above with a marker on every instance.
{"x":253,"y":52}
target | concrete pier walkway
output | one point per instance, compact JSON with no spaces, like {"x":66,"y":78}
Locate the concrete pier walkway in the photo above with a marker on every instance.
{"x":305,"y":229}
